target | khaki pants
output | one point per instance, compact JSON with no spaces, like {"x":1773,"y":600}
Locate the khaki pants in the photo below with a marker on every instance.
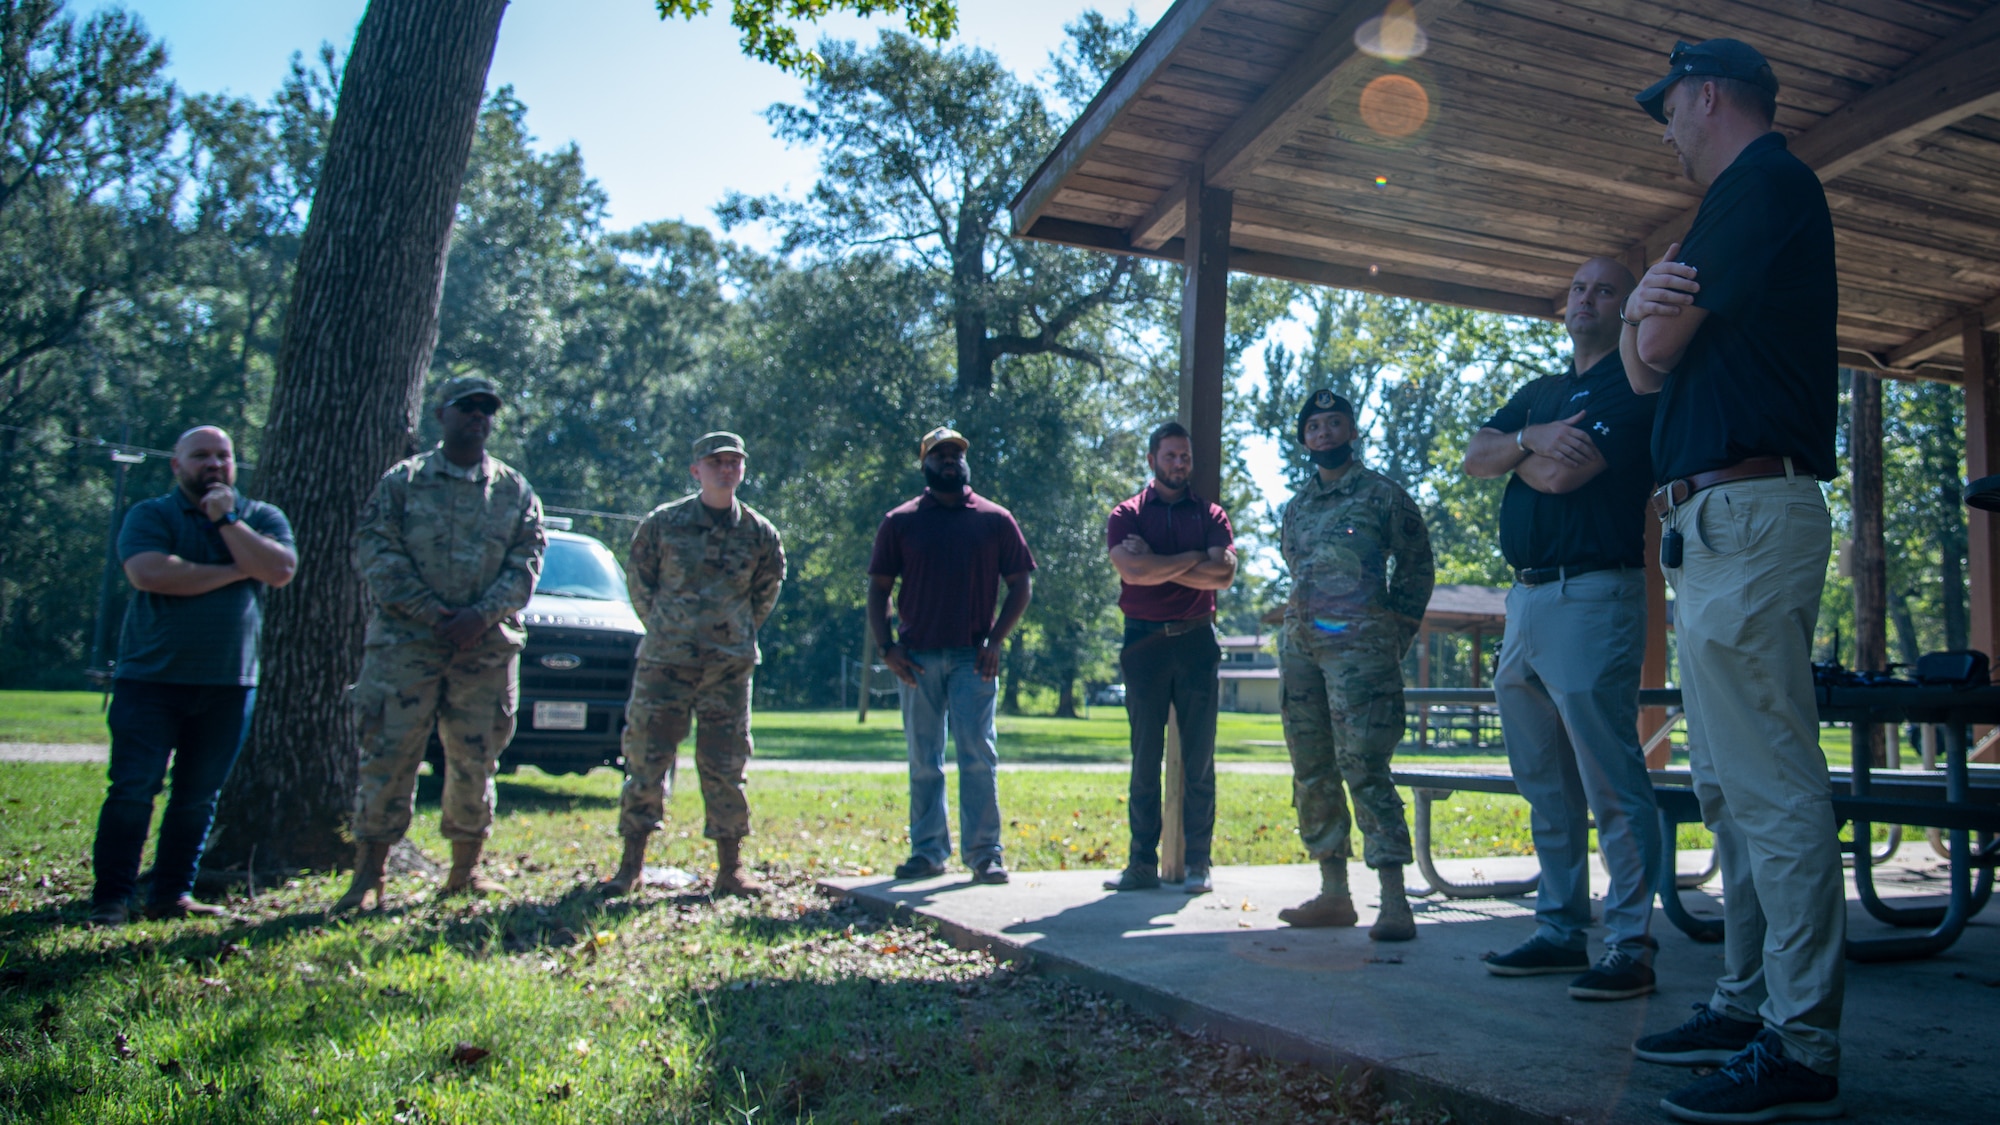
{"x":1748,"y":595}
{"x":665,"y":697}
{"x":404,"y":692}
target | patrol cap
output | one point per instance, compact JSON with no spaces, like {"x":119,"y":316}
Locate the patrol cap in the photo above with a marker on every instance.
{"x":1713,"y":58}
{"x":1322,"y":401}
{"x":721,"y":441}
{"x":943,"y":435}
{"x":467,"y":386}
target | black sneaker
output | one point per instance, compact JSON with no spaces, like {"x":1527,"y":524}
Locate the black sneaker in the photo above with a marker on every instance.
{"x":1135,"y":877}
{"x":1534,"y":957}
{"x":1759,"y":1084}
{"x":1198,"y":881}
{"x":989,"y":870}
{"x":108,"y":915}
{"x":1706,"y":1039}
{"x":917,"y":867}
{"x":1619,"y":975}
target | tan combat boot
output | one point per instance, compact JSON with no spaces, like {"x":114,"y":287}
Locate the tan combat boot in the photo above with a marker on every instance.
{"x":370,"y":857}
{"x":631,"y":869}
{"x":1333,"y":906}
{"x":730,"y":878}
{"x":464,"y":878}
{"x":1394,"y":923}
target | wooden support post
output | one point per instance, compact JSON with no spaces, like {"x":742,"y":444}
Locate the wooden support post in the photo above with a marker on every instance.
{"x":1870,"y":562}
{"x":1204,"y":326}
{"x":1653,"y":667}
{"x":1982,"y":458}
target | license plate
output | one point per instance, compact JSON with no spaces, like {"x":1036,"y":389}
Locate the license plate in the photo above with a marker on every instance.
{"x":562,"y":716}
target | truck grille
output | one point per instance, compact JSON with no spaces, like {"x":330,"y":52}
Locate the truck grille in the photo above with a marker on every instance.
{"x":605,"y":671}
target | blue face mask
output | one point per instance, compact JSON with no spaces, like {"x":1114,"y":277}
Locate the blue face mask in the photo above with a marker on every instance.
{"x":1332,"y":458}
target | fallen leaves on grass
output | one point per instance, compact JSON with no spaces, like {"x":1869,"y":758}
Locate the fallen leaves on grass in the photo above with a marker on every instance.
{"x":465,"y":1054}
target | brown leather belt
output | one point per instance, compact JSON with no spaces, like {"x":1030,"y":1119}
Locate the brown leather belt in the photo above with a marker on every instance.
{"x":1674,"y":493}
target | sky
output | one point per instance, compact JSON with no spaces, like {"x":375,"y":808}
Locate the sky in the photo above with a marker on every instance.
{"x":667,"y":113}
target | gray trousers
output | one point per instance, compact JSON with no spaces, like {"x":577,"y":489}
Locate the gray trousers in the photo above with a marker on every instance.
{"x":1568,"y":688}
{"x":1747,"y":598}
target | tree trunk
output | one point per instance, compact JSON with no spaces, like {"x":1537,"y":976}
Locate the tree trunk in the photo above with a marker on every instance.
{"x":358,"y":339}
{"x":1066,"y":701}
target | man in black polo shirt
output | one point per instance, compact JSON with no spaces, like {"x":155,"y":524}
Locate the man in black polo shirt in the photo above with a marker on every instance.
{"x":1734,"y":327}
{"x":1568,"y":681}
{"x":199,"y":560}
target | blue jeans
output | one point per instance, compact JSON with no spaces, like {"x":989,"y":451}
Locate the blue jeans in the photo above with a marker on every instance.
{"x":950,"y":693}
{"x":201,"y":726}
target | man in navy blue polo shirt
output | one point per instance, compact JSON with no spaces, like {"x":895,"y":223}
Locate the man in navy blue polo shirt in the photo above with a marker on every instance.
{"x":1173,"y":550}
{"x":1571,"y":526}
{"x":199,"y":560}
{"x":953,"y":549}
{"x":1734,"y":328}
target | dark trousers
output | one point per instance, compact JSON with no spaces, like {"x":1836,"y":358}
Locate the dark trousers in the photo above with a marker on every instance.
{"x":201,"y":727}
{"x":1178,"y":671}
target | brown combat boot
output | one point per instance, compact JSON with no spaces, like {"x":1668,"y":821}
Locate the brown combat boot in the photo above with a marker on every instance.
{"x":730,"y":878}
{"x":464,"y":879}
{"x":370,"y":857}
{"x":1333,"y":906}
{"x":631,"y":869}
{"x":1394,"y":923}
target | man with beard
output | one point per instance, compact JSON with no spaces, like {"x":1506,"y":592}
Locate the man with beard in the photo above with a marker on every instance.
{"x":1572,"y":526}
{"x":953,"y":549}
{"x":705,"y":571}
{"x":1173,"y":550}
{"x":1734,"y":329}
{"x":1361,"y":567}
{"x":199,"y":559}
{"x":450,"y":545}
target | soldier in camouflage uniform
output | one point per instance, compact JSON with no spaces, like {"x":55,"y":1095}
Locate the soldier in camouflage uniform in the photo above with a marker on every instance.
{"x":1360,"y":561}
{"x":450,"y":545}
{"x":705,"y":572}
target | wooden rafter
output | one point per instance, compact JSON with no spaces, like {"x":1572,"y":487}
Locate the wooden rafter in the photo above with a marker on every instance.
{"x":1328,"y":67}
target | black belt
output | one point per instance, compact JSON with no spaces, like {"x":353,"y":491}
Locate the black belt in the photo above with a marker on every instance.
{"x":1176,"y":628}
{"x":1539,"y":575}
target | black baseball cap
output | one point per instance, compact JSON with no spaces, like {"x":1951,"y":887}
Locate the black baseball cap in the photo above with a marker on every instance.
{"x":1713,"y":58}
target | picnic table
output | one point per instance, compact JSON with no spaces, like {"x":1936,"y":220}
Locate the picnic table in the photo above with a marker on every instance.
{"x":1961,"y":799}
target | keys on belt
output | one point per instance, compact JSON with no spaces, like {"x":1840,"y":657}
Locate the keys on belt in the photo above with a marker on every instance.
{"x":1674,"y":493}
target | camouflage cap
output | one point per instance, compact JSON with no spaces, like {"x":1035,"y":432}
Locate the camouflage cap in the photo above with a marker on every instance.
{"x":943,"y":435}
{"x":465,"y":386}
{"x":721,"y":441}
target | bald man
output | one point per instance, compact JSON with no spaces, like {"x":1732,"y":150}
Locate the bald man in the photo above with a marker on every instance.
{"x":199,"y":560}
{"x":1571,"y":526}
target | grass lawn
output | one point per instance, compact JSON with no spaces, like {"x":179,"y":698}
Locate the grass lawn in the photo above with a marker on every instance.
{"x":52,"y":716}
{"x":554,"y":1006}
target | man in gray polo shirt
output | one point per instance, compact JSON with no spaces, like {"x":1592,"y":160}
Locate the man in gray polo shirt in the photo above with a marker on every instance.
{"x":199,"y":560}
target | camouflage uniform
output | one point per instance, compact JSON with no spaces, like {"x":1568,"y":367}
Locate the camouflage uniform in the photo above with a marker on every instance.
{"x":434,"y":538}
{"x":703,"y":589}
{"x":1360,"y":561}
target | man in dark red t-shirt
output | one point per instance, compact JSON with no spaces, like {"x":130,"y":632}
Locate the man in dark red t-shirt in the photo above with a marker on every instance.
{"x":1173,"y":551}
{"x":953,"y":549}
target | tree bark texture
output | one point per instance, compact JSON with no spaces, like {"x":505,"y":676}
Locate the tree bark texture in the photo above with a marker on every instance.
{"x":358,"y":339}
{"x":1871,"y":559}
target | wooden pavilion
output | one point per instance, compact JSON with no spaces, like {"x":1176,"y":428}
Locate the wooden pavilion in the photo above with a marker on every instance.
{"x":1475,"y":153}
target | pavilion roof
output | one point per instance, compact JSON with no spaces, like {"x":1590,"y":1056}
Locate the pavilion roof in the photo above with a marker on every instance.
{"x":1531,"y":155}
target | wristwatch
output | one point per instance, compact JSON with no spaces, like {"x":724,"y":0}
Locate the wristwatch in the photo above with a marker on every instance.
{"x":228,"y":517}
{"x":1626,"y":319}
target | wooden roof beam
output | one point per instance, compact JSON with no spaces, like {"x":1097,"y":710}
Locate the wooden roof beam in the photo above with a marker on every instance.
{"x":1098,"y":118}
{"x":1952,"y":81}
{"x":1329,"y":66}
{"x":1944,"y":336}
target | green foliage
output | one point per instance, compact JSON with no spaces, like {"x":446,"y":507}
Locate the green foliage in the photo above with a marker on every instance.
{"x":768,"y":39}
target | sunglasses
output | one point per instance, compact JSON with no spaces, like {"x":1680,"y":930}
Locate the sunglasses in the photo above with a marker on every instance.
{"x":484,"y":406}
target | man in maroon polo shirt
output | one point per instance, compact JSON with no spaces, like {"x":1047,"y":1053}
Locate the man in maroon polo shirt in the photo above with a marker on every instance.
{"x":1173,"y":551}
{"x":953,"y":549}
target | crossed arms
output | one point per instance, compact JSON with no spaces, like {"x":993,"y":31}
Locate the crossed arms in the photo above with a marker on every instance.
{"x":1213,"y":569}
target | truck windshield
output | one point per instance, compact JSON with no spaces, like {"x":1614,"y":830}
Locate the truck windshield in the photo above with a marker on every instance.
{"x":581,"y":569}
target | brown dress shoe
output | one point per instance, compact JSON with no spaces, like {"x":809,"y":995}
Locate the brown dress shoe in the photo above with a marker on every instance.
{"x":1322,"y":910}
{"x":185,"y":907}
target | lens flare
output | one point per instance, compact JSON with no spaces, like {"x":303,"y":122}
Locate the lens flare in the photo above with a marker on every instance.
{"x":1381,"y":181}
{"x":1394,"y":35}
{"x":1395,"y":105}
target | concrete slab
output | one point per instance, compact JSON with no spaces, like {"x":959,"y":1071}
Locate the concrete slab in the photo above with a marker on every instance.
{"x":1920,"y":1037}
